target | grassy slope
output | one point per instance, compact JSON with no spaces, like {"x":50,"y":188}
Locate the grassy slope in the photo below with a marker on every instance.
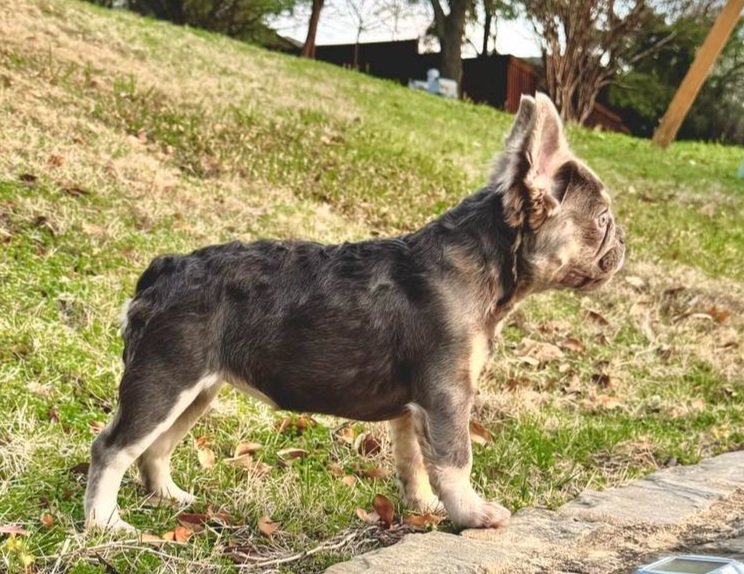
{"x":178,"y":139}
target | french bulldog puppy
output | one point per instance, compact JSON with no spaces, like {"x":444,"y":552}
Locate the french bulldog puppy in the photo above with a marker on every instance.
{"x":394,"y":329}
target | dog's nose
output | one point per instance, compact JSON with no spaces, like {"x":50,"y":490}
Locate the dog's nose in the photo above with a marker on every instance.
{"x":612,"y":258}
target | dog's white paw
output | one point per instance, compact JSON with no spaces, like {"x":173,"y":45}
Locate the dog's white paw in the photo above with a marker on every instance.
{"x":172,"y":494}
{"x":480,"y":514}
{"x":490,"y":515}
{"x":115,"y":525}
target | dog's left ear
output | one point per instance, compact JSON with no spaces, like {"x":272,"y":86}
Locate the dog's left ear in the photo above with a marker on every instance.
{"x":537,"y":140}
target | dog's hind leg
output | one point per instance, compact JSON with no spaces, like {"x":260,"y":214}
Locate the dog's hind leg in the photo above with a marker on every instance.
{"x":154,"y":464}
{"x":443,"y":429}
{"x":150,"y":403}
{"x":409,"y":463}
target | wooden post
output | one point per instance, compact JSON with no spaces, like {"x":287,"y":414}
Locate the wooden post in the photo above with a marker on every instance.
{"x":701,"y":67}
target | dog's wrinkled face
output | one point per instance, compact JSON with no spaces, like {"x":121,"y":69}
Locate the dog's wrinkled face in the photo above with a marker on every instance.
{"x":579,"y":245}
{"x":571,"y":239}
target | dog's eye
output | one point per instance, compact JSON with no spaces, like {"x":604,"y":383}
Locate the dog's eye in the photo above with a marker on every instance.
{"x":603,"y":220}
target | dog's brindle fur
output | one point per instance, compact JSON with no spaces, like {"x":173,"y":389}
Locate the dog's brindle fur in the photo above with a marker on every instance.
{"x":387,"y":329}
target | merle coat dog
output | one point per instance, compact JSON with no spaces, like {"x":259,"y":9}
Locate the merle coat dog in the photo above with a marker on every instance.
{"x":388,"y":329}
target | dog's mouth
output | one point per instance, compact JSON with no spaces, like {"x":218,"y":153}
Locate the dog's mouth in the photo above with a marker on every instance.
{"x":609,"y":260}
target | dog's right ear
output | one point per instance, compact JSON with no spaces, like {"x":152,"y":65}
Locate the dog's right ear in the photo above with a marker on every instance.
{"x":535,"y":149}
{"x":518,"y":138}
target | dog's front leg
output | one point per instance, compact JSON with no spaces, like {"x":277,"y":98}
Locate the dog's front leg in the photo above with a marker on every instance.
{"x":445,"y":441}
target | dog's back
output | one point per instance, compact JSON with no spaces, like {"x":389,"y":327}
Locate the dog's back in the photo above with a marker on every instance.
{"x":292,"y":320}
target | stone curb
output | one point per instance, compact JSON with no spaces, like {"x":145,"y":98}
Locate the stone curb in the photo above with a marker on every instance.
{"x":662,"y":499}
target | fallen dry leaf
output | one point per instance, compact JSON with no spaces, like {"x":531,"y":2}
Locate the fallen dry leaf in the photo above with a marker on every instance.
{"x":147,"y":537}
{"x":297,"y":424}
{"x":538,"y":352}
{"x":75,"y":191}
{"x":47,"y":520}
{"x":13,"y":529}
{"x":246,"y":448}
{"x":193,"y":521}
{"x":201,"y":442}
{"x":179,"y":534}
{"x":251,"y":464}
{"x":349,"y":480}
{"x":56,"y":160}
{"x":719,"y":313}
{"x":373,"y":472}
{"x":206,"y":457}
{"x":572,"y":344}
{"x":385,"y":509}
{"x":345,"y":434}
{"x":218,"y":516}
{"x":479,"y":434}
{"x":29,"y":178}
{"x":422,"y":521}
{"x":597,"y":317}
{"x":267,"y":527}
{"x":367,"y":517}
{"x":367,"y":444}
{"x":605,"y":402}
{"x":288,"y":454}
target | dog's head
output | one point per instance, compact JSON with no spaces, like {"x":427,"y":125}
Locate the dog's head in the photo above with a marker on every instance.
{"x":569,"y":235}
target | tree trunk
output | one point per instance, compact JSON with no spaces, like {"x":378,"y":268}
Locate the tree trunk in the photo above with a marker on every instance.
{"x":308,"y":49}
{"x":356,"y":48}
{"x":486,"y":32}
{"x":451,"y":58}
{"x":450,"y":29}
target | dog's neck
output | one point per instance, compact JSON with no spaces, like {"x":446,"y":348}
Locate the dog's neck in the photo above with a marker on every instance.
{"x":474,"y":245}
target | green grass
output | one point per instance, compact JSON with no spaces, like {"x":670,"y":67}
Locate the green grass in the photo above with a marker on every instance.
{"x":145,"y":138}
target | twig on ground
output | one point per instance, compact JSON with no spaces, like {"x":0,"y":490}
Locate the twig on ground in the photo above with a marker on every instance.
{"x":340,"y":541}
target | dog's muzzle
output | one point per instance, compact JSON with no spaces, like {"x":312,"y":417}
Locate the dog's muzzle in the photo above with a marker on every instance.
{"x":614,"y":257}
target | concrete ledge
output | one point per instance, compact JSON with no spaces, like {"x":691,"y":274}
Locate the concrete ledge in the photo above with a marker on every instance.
{"x":536,"y":538}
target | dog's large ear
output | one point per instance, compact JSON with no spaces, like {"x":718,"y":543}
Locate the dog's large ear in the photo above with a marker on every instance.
{"x":537,"y":145}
